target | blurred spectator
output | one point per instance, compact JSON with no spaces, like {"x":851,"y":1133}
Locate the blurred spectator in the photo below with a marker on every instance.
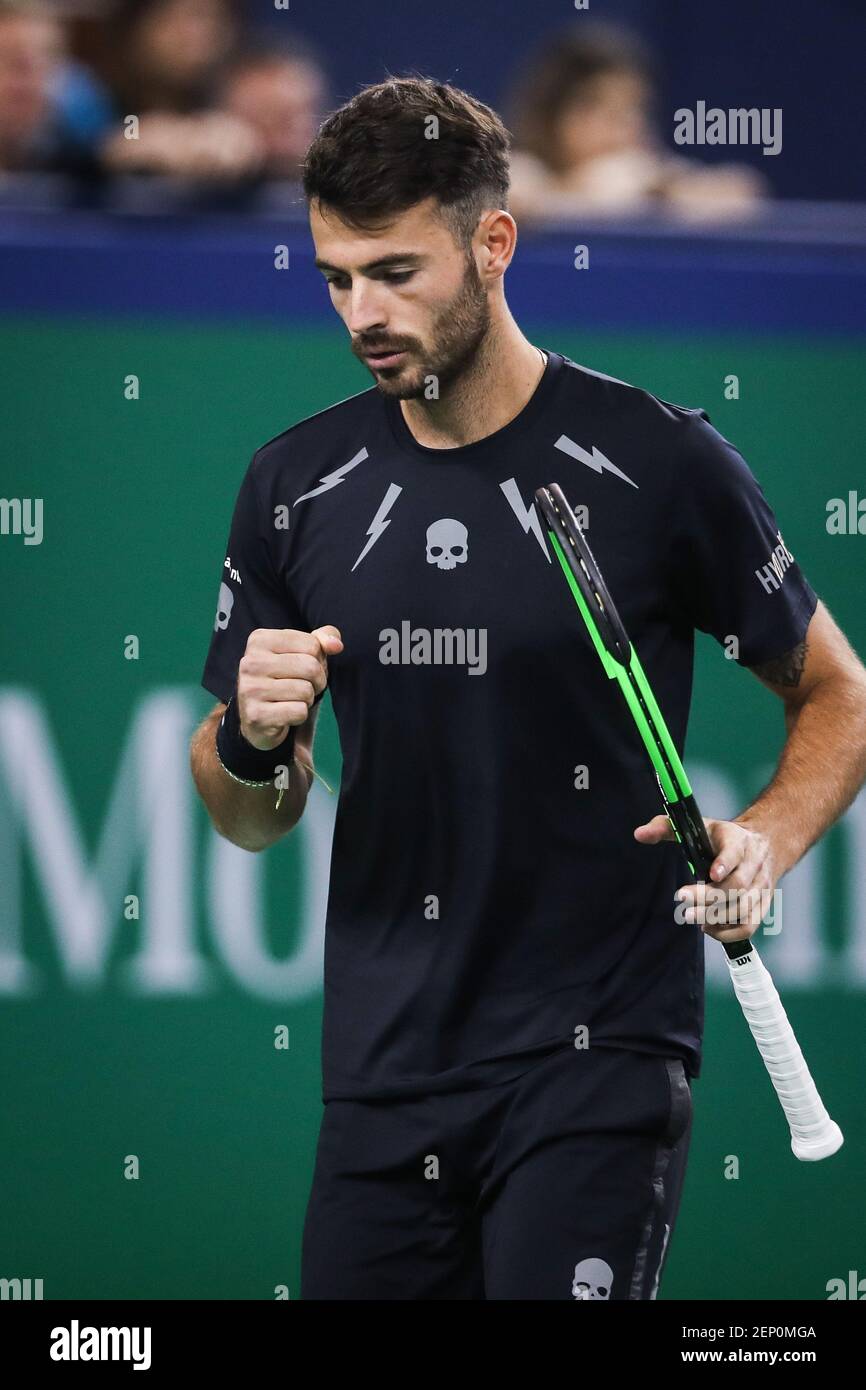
{"x":584,"y":140}
{"x":166,"y":60}
{"x":38,"y":130}
{"x":166,"y":55}
{"x":280,"y":94}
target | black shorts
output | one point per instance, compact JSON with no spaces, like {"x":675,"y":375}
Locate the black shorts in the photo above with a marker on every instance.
{"x":562,"y":1184}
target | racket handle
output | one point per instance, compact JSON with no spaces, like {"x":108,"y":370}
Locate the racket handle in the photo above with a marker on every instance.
{"x":813,"y":1134}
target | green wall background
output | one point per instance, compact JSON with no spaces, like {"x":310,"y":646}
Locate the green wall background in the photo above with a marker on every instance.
{"x":137,"y":498}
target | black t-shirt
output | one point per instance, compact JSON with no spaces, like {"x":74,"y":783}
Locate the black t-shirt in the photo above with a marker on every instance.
{"x":485,"y":901}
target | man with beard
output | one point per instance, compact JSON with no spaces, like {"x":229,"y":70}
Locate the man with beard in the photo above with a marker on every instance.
{"x":513,"y":1008}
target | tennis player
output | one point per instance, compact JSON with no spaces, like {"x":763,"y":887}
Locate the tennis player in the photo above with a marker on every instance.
{"x":513,"y":1001}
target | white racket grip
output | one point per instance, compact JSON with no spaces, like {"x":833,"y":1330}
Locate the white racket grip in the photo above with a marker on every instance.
{"x":813,"y":1134}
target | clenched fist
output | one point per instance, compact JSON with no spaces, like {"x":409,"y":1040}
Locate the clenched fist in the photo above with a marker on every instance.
{"x":280,"y":675}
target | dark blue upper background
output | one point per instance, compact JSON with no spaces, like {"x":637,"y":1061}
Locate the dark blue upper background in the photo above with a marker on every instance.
{"x":803,"y":56}
{"x":785,"y":274}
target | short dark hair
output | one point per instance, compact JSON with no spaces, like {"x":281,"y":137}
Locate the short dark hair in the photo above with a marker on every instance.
{"x":380,"y":154}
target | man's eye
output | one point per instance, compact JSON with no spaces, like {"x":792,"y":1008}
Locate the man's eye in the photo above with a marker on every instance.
{"x":393,"y":277}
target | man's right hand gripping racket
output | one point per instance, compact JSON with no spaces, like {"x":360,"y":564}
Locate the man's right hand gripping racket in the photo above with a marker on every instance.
{"x":813,"y":1134}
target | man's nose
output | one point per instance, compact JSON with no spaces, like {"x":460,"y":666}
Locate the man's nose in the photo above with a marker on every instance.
{"x":365,"y":309}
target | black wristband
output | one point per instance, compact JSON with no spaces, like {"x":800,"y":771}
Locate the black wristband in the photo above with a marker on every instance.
{"x":241,"y":759}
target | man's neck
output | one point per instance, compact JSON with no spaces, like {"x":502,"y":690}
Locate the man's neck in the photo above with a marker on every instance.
{"x":501,"y":380}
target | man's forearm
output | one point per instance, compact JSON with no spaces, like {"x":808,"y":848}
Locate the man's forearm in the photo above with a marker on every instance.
{"x":247,"y":815}
{"x":821,"y":770}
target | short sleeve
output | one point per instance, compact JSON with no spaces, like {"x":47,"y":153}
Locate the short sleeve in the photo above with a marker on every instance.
{"x":251,"y":593}
{"x":730,"y":571}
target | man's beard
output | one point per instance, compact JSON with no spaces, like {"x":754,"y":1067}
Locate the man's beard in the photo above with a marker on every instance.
{"x":457,"y":333}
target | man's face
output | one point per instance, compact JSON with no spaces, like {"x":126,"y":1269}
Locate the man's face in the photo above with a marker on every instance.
{"x":411,"y":298}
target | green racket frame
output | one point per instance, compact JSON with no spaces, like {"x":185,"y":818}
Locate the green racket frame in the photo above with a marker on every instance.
{"x":814,"y":1135}
{"x":622,"y":664}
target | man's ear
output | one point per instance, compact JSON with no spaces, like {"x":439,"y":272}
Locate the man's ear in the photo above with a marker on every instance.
{"x":499,"y":239}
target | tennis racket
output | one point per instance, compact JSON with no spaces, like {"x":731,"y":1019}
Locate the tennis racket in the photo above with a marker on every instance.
{"x":813,"y":1134}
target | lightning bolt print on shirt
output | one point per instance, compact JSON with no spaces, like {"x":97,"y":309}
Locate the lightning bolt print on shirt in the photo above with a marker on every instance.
{"x":485,"y":902}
